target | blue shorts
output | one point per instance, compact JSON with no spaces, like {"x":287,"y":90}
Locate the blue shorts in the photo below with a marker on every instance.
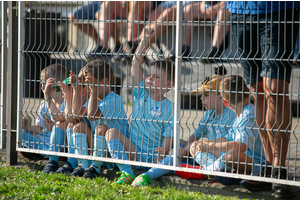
{"x":87,"y":10}
{"x":259,"y":43}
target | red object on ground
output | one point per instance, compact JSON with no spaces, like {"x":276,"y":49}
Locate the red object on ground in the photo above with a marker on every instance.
{"x":190,"y":175}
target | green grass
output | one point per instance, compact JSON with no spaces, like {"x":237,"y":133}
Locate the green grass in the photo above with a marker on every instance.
{"x":26,"y":184}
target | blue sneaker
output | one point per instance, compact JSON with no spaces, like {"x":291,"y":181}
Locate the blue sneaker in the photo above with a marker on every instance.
{"x":99,"y":53}
{"x":51,"y":166}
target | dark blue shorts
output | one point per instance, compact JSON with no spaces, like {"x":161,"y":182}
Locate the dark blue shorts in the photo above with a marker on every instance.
{"x":87,"y":10}
{"x":263,"y":44}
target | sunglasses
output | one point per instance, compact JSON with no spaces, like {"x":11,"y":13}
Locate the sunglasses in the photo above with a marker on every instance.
{"x":225,"y":102}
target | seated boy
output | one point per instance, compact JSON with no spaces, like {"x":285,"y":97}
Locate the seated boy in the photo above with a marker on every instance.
{"x":152,"y":115}
{"x":35,"y":137}
{"x":214,"y":125}
{"x":242,"y":145}
{"x":104,"y":109}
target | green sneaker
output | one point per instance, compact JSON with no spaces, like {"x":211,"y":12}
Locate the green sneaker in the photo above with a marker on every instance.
{"x":125,"y":178}
{"x":141,"y":180}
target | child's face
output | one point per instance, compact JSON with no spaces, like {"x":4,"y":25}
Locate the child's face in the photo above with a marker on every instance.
{"x":209,"y":102}
{"x":43,"y":83}
{"x":156,"y":79}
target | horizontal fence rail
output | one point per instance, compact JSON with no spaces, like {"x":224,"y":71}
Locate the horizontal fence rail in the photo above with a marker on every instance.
{"x":186,"y":87}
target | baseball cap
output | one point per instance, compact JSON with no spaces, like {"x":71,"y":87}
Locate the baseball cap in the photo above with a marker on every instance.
{"x":209,"y":83}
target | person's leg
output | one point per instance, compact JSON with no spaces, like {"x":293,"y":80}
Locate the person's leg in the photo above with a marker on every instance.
{"x":86,"y":12}
{"x":278,"y":117}
{"x":110,"y":10}
{"x":220,"y":28}
{"x":79,"y":137}
{"x":117,"y":144}
{"x":99,"y":150}
{"x":71,"y":163}
{"x":57,"y":138}
{"x":139,"y":12}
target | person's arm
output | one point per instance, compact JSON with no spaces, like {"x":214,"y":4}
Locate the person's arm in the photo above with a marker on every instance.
{"x":77,"y":109}
{"x":50,"y":102}
{"x":93,"y":111}
{"x":220,"y":145}
{"x":136,"y":70}
{"x":166,"y":146}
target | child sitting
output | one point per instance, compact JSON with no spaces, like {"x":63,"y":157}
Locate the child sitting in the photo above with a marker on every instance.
{"x":34,"y":137}
{"x":214,"y":125}
{"x":152,"y":115}
{"x":105,"y":110}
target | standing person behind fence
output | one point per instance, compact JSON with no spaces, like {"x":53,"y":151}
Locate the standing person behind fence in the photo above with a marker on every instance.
{"x":35,"y":137}
{"x":259,"y":43}
{"x":105,"y":110}
{"x":152,"y":115}
{"x":214,"y":125}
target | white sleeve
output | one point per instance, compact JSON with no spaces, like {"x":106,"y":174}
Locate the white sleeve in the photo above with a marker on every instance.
{"x":40,"y":120}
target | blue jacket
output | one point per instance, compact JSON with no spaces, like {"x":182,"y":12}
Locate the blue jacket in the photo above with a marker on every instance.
{"x":260,"y":7}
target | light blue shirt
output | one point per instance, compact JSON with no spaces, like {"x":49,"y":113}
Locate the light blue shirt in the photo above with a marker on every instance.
{"x":43,"y":111}
{"x":213,"y":128}
{"x":244,"y":130}
{"x":113,"y":113}
{"x":151,"y":120}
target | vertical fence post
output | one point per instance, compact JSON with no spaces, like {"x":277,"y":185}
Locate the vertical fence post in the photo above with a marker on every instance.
{"x":3,"y":73}
{"x":178,"y":50}
{"x":12,"y":67}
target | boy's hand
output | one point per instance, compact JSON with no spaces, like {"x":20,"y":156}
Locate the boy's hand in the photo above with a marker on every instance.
{"x":159,"y":150}
{"x":88,"y":78}
{"x":73,"y":78}
{"x":148,"y":34}
{"x":50,"y":83}
{"x":49,"y":123}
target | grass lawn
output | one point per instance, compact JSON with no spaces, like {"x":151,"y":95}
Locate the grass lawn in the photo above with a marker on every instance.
{"x":28,"y":184}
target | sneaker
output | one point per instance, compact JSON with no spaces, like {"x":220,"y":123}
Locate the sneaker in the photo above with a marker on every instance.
{"x":125,"y":178}
{"x":66,"y":168}
{"x":98,"y":53}
{"x":91,"y":172}
{"x":227,"y":180}
{"x":78,"y":171}
{"x":257,"y":185}
{"x":281,"y":191}
{"x":141,"y":180}
{"x":51,"y":166}
{"x":191,"y":175}
{"x":31,"y":156}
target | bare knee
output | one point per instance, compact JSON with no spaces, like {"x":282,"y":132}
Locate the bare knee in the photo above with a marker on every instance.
{"x":70,"y":125}
{"x":113,"y":133}
{"x":101,"y":129}
{"x":193,"y":149}
{"x":80,"y":127}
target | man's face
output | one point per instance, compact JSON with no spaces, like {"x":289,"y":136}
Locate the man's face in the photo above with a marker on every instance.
{"x":156,"y":79}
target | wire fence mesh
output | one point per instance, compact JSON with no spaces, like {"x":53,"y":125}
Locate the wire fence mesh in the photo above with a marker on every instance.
{"x":150,"y":95}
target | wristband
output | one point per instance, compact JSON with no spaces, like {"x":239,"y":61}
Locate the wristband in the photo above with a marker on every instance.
{"x":48,"y":99}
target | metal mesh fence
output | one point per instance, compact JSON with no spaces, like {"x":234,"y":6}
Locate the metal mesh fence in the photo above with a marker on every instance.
{"x":148,"y":97}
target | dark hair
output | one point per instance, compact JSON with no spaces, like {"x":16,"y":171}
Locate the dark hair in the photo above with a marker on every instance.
{"x":56,"y":71}
{"x":220,"y":70}
{"x":232,"y":87}
{"x":100,"y":70}
{"x":167,"y":66}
